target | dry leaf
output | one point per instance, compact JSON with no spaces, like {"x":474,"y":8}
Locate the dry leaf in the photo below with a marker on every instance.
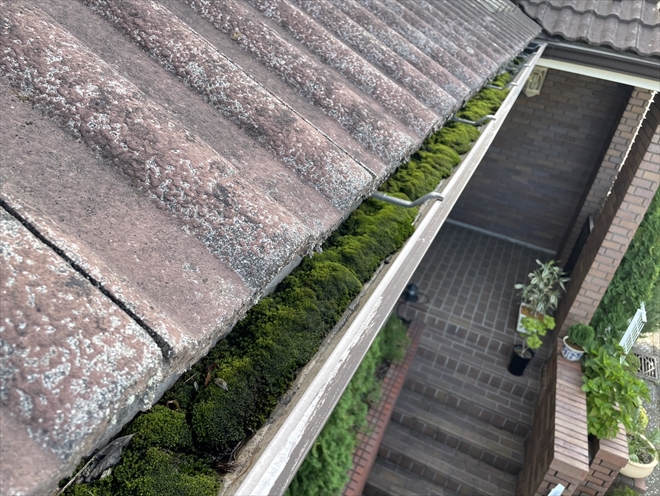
{"x":221,"y":383}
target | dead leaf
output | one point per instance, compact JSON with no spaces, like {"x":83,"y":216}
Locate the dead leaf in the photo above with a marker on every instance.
{"x":173,"y":405}
{"x":211,"y":368}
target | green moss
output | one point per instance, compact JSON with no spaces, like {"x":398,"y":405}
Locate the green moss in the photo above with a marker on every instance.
{"x":159,"y":473}
{"x":457,"y":136}
{"x":163,"y":428}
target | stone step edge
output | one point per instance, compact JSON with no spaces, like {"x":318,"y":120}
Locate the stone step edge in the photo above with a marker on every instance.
{"x":378,"y":417}
{"x":470,"y":442}
{"x":496,"y":363}
{"x":519,"y":407}
{"x":465,"y":404}
{"x":451,"y":471}
{"x":385,"y":487}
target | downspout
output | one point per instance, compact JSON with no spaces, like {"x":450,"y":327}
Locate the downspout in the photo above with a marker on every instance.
{"x":278,"y":462}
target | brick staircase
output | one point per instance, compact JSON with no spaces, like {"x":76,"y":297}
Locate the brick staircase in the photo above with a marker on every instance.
{"x":460,"y":422}
{"x":457,"y":428}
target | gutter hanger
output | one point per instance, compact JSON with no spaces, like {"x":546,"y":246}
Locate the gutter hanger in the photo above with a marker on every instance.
{"x":404,"y":203}
{"x":278,"y":462}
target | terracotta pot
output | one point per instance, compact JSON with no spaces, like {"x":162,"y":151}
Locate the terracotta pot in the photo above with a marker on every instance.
{"x":570,"y":352}
{"x":639,"y":470}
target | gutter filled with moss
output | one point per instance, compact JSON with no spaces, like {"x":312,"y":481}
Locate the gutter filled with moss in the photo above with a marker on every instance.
{"x":212,"y":410}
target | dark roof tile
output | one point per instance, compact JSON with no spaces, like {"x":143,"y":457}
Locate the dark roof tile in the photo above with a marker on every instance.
{"x":628,"y":25}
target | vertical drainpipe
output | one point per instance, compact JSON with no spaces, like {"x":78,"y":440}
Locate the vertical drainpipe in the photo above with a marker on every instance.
{"x":279,"y":461}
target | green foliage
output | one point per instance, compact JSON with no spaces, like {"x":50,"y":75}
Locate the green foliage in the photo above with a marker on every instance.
{"x":325,"y":468}
{"x":643,"y":450}
{"x":541,"y":293}
{"x":535,"y":328}
{"x":581,"y":335}
{"x":622,"y":491}
{"x":634,"y":279}
{"x":613,"y":390}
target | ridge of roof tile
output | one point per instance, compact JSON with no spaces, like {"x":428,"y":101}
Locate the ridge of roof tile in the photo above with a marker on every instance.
{"x":630,"y":25}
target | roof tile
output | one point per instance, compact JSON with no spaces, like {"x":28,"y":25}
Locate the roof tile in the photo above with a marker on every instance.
{"x":629,"y":25}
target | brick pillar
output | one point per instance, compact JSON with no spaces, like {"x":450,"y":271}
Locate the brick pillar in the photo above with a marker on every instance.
{"x":619,"y":219}
{"x":557,"y":451}
{"x":621,"y":142}
{"x":610,"y":456}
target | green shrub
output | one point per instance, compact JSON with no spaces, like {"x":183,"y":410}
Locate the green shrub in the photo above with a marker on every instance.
{"x":634,"y":280}
{"x":622,"y":491}
{"x":613,"y":390}
{"x":325,"y":469}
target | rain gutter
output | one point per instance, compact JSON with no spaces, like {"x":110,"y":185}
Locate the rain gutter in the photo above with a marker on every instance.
{"x":278,"y":463}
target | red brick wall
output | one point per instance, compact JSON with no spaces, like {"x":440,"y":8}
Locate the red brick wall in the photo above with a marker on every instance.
{"x":610,"y":456}
{"x":624,"y":209}
{"x":617,"y":150}
{"x":536,"y":172}
{"x":556,"y":451}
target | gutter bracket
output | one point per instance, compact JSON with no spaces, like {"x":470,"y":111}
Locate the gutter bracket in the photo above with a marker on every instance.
{"x":404,"y":203}
{"x":479,"y":122}
{"x":505,"y":87}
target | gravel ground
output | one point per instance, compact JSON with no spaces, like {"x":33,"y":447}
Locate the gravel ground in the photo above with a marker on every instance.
{"x":650,"y":346}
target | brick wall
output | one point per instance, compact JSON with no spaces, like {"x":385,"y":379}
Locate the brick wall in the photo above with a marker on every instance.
{"x":537,"y":170}
{"x":622,"y":139}
{"x":610,"y":456}
{"x":557,"y":450}
{"x":618,"y":221}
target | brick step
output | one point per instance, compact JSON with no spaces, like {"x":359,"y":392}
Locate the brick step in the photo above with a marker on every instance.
{"x":460,"y":392}
{"x":442,"y":464}
{"x":468,"y":434}
{"x":388,"y":479}
{"x":490,"y":356}
{"x":466,"y":373}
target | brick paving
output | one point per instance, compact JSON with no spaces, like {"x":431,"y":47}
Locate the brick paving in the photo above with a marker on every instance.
{"x":460,"y":422}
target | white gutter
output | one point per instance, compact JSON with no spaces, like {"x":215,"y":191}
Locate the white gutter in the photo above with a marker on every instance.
{"x":614,"y":76}
{"x":277,"y":465}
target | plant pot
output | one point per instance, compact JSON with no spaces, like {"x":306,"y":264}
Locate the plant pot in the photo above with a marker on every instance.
{"x":639,"y":470}
{"x":570,"y":352}
{"x":518,"y":362}
{"x":521,"y":315}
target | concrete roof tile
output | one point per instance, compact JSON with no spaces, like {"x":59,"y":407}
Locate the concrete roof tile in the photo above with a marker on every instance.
{"x":74,"y":366}
{"x":630,"y":25}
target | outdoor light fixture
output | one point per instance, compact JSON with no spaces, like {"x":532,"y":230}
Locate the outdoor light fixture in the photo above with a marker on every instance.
{"x":410,"y":293}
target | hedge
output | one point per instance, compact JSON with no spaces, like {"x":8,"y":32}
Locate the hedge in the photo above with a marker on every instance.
{"x":325,"y":469}
{"x":634,"y":280}
{"x":231,"y":392}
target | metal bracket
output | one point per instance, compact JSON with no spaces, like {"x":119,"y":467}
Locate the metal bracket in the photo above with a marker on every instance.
{"x":404,"y":203}
{"x":474,"y":123}
{"x":505,"y":87}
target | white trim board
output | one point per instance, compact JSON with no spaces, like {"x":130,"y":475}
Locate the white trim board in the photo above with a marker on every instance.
{"x":585,"y":70}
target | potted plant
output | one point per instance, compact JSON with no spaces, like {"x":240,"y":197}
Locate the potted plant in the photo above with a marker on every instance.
{"x":534,"y":329}
{"x":579,"y":337}
{"x":540,"y":295}
{"x":643,"y":445}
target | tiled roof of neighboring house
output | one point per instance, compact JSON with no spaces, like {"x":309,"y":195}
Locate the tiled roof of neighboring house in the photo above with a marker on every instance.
{"x":163,"y":162}
{"x":624,"y":25}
